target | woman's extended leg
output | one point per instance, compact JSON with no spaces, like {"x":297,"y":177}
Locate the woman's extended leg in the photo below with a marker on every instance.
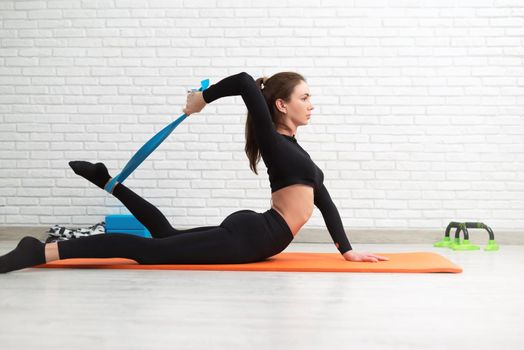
{"x":244,"y":236}
{"x":142,"y":210}
{"x":215,"y":246}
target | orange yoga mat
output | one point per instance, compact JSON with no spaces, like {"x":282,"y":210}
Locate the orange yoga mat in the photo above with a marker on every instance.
{"x":419,"y":262}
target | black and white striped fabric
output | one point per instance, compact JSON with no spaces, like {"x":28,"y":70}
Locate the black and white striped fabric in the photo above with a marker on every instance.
{"x":61,"y":233}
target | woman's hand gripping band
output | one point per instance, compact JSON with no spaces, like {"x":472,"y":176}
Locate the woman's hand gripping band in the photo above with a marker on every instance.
{"x":194,"y":103}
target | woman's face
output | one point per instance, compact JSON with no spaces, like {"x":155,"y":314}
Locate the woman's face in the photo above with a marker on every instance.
{"x":299,"y":108}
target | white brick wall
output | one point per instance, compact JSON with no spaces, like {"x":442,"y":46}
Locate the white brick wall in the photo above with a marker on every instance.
{"x":419,"y":114}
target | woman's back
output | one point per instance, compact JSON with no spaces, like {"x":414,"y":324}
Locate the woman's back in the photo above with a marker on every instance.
{"x":295,"y":204}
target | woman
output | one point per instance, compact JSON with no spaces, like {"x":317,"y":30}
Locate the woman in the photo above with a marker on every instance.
{"x":245,"y":236}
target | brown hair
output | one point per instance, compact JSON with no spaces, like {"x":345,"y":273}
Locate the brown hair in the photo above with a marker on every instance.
{"x":278,"y":86}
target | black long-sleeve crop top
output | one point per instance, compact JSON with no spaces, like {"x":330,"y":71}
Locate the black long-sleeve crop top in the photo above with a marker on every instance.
{"x":287,"y":163}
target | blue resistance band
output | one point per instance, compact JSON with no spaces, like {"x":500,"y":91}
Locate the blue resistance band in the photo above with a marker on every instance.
{"x":149,"y":147}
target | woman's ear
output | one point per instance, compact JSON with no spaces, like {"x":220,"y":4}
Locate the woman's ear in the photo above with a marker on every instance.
{"x":281,"y":106}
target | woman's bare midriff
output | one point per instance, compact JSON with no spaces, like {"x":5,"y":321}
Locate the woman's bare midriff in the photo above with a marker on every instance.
{"x":295,"y":203}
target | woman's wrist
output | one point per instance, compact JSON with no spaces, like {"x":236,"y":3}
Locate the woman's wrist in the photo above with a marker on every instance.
{"x":348,"y":253}
{"x":203,"y":98}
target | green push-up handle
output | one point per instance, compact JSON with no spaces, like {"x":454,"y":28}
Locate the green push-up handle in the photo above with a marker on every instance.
{"x":457,"y":244}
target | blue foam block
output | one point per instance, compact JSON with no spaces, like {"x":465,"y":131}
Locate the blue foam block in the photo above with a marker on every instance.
{"x":119,"y":223}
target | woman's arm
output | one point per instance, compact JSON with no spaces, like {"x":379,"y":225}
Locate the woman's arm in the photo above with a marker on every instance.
{"x":334,"y":225}
{"x":332,"y":219}
{"x":244,"y":85}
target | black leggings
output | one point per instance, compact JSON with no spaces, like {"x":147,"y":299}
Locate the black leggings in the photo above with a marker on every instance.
{"x":244,"y":236}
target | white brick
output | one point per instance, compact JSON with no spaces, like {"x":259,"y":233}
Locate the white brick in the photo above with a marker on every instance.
{"x":20,"y":219}
{"x":418,"y":111}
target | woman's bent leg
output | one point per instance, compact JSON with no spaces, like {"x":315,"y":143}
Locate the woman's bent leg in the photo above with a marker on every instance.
{"x":149,"y":215}
{"x":144,"y":211}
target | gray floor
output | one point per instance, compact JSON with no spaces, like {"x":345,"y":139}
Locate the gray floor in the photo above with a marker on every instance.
{"x":135,"y":309}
